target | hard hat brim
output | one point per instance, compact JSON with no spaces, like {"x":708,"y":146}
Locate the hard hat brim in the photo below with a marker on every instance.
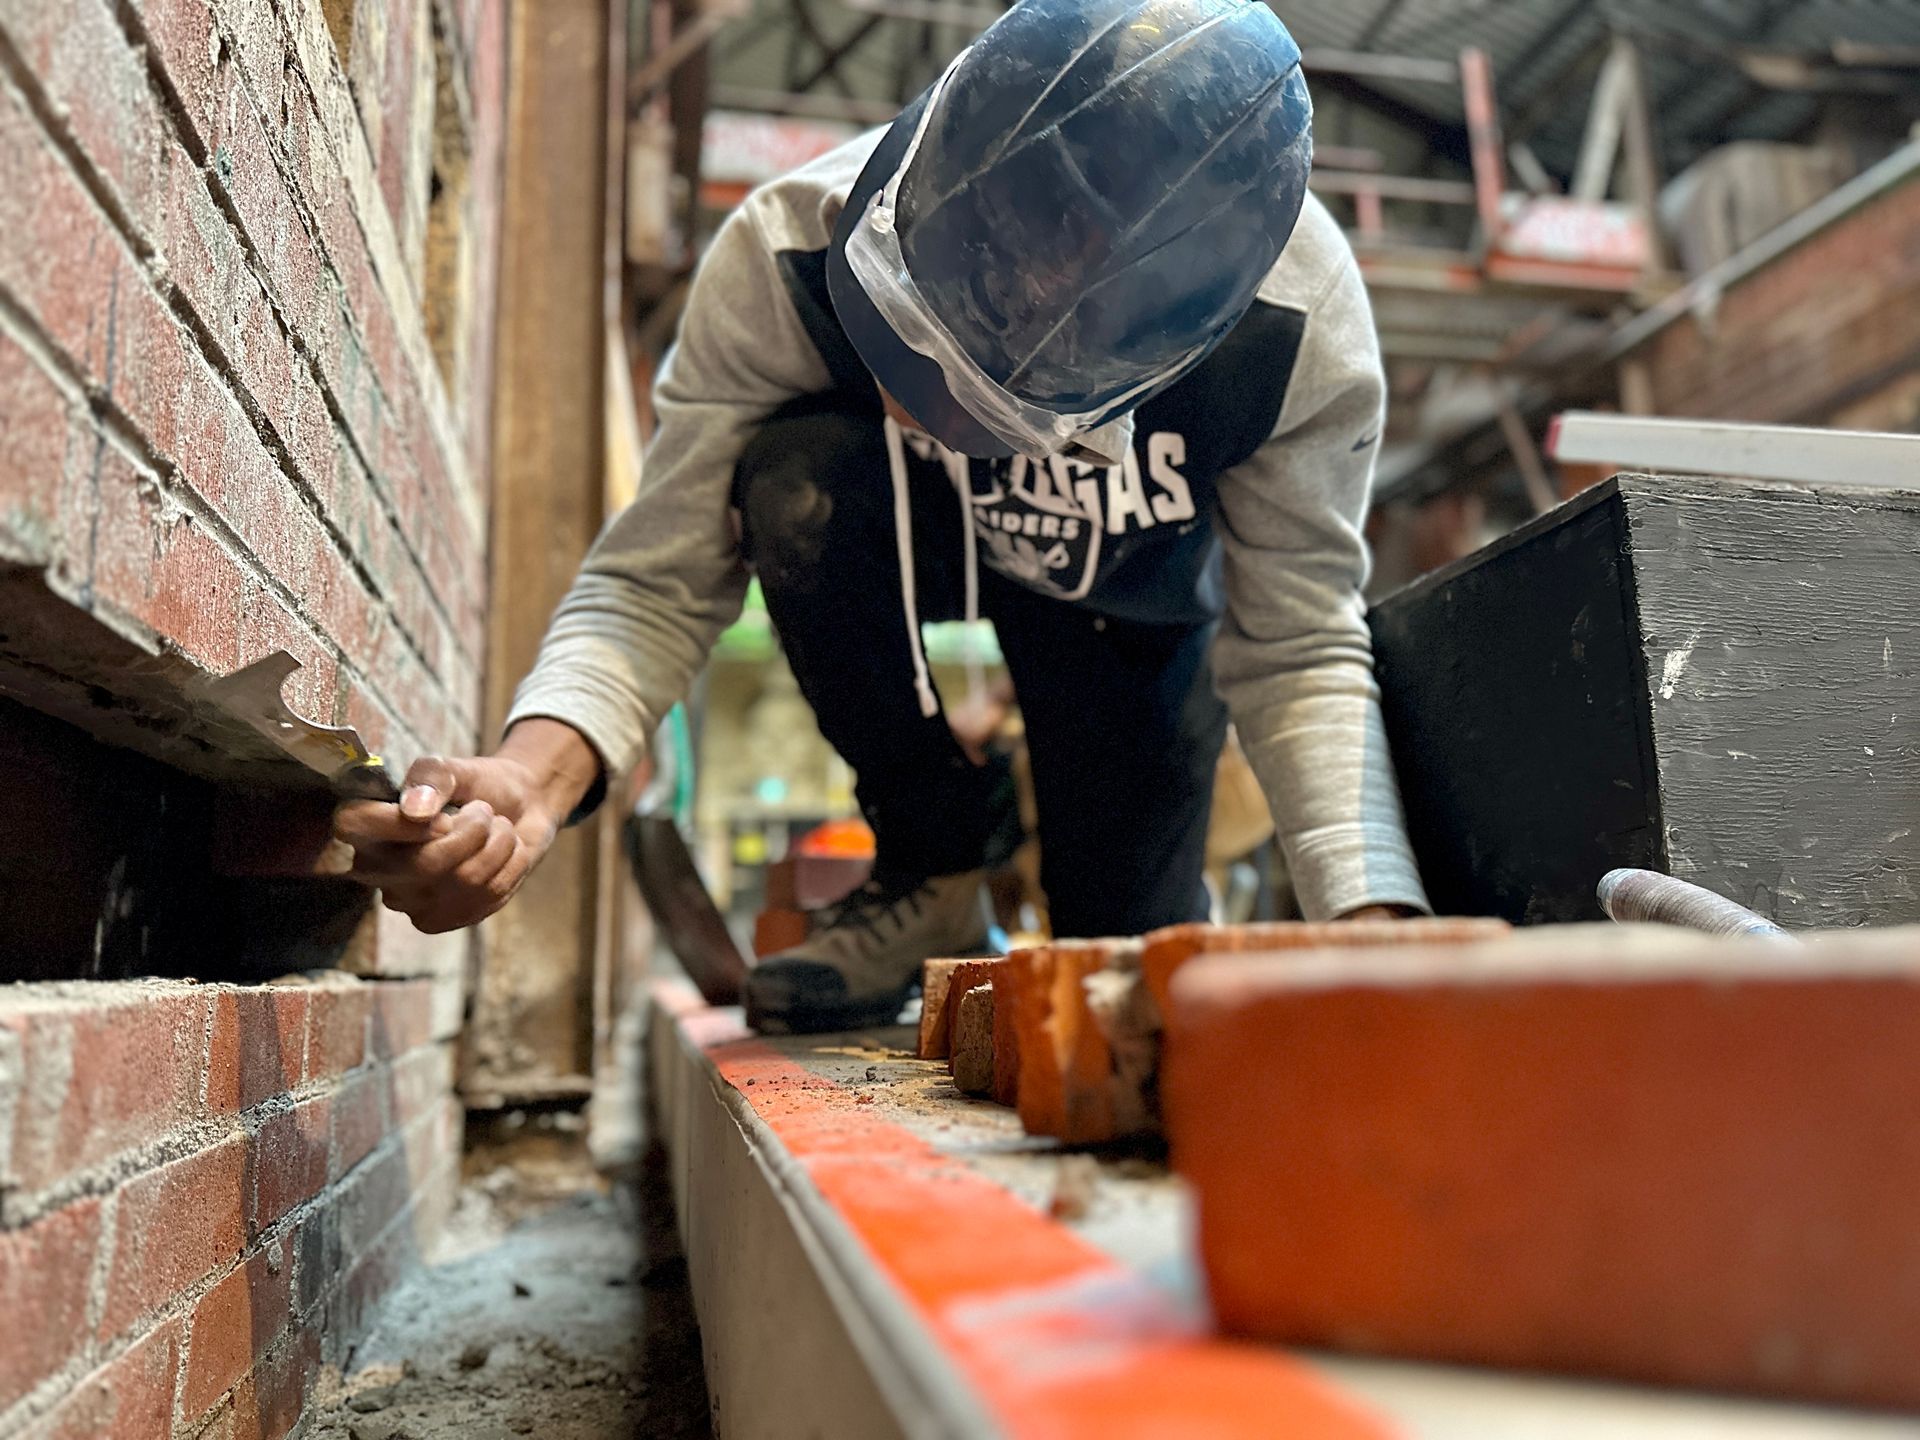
{"x":910,"y":377}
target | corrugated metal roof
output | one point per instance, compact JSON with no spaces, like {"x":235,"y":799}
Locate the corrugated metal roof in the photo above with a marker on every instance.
{"x":1546,"y":55}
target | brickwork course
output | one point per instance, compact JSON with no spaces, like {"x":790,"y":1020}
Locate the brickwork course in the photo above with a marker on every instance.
{"x":1825,"y":335}
{"x":247,"y":283}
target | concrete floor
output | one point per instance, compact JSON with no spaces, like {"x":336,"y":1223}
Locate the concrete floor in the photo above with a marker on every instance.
{"x":558,"y":1306}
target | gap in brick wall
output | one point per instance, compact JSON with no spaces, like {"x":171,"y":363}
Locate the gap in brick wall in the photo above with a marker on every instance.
{"x":115,"y":865}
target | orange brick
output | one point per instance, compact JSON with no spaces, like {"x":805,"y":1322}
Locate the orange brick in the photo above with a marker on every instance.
{"x":1619,"y":1151}
{"x":1063,"y":1088}
{"x":234,"y":1325}
{"x":1165,"y":951}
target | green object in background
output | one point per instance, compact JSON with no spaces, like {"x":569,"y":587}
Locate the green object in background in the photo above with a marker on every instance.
{"x":751,"y":637}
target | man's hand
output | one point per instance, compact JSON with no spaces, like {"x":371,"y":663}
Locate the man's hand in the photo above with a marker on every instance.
{"x":466,"y":832}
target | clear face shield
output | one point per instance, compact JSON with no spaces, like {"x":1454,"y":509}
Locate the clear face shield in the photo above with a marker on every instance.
{"x":874,"y":256}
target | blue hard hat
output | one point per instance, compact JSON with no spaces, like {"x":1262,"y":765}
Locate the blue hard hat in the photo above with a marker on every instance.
{"x":1092,"y":199}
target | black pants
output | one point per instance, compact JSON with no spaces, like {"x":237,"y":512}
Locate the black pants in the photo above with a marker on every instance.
{"x":1123,"y":726}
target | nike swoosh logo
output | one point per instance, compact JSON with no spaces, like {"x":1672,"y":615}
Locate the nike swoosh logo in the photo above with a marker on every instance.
{"x":1360,"y":445}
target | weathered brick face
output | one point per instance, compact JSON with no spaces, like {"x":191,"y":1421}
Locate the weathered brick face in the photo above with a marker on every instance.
{"x":247,"y":254}
{"x":194,"y":1253}
{"x":225,"y":359}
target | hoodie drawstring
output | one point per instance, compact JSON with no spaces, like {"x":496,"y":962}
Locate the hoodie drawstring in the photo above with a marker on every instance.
{"x":909,"y":598}
{"x":903,"y":538}
{"x":970,"y":550}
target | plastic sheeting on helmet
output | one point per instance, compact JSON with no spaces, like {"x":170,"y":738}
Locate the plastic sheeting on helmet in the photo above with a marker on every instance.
{"x":1076,"y":213}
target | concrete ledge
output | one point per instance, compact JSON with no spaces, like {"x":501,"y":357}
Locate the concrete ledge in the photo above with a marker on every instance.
{"x":873,"y":1254}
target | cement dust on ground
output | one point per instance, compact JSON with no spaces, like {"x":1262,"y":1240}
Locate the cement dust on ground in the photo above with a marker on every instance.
{"x":558,"y":1308}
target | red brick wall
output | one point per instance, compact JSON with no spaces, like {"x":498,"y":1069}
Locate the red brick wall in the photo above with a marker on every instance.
{"x":1827,"y":334}
{"x":203,"y":1190}
{"x":246,"y":339}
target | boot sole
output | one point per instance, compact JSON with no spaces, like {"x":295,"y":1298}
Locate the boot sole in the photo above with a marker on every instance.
{"x":826,"y":1016}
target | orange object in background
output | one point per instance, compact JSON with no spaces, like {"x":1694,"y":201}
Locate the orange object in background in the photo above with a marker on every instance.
{"x":850,"y":839}
{"x":1621,"y":1151}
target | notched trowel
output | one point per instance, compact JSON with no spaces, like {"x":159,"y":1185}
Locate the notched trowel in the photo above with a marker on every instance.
{"x":253,"y":695}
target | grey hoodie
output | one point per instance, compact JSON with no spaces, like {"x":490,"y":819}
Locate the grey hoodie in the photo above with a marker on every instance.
{"x":1242,"y":497}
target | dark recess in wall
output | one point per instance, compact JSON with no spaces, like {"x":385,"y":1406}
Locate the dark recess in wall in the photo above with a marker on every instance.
{"x":113,"y":865}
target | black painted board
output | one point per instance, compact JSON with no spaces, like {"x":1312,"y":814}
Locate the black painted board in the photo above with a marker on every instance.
{"x":1514,"y":695}
{"x":1781,"y":634}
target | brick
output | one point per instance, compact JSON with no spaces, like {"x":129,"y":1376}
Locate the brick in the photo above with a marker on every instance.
{"x":972,"y":1040}
{"x":419,"y":1082}
{"x":128,"y":1398}
{"x":257,"y":1048}
{"x":233,"y":1327}
{"x":359,"y":1120}
{"x":367,"y":1282}
{"x":288,"y":1160}
{"x":101,"y":1080}
{"x":82,"y":61}
{"x":45,"y":1271}
{"x":1164,"y":951}
{"x":1006,"y":1044}
{"x":1064,"y":1087}
{"x":935,"y":978}
{"x":173,"y":1227}
{"x":965,"y":976}
{"x":372,"y":1198}
{"x":34,"y":456}
{"x":337,"y":1028}
{"x":267,"y":1404}
{"x":318,"y":1255}
{"x":1619,"y":1151}
{"x":402,"y":1018}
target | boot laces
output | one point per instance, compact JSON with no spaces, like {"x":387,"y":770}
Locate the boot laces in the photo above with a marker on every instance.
{"x":864,"y":907}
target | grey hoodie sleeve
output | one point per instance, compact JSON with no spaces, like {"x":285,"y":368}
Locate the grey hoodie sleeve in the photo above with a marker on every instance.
{"x":665,"y":577}
{"x":1294,"y":659}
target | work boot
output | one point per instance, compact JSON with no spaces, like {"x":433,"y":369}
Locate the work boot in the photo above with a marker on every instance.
{"x":863,"y":961}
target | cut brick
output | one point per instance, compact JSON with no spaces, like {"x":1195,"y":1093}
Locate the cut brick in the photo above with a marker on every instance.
{"x":972,"y":1043}
{"x":128,"y":1398}
{"x":1620,"y":1151}
{"x":258,"y":1046}
{"x":174,"y":1226}
{"x":45,"y":1271}
{"x":966,"y":975}
{"x":1063,"y":1088}
{"x":935,"y":1025}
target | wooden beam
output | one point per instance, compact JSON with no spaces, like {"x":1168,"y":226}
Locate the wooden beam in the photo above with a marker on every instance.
{"x":1444,"y":138}
{"x":532,"y":1024}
